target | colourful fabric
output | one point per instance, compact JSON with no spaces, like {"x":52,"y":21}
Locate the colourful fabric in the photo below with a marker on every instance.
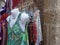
{"x":32,"y":29}
{"x":15,"y":3}
{"x":3,"y":33}
{"x":32,"y":32}
{"x":16,"y":36}
{"x":3,"y":27}
{"x":8,"y":6}
{"x":11,"y":4}
{"x":4,"y":16}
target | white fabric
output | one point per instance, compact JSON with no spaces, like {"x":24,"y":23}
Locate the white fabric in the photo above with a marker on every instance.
{"x":15,"y":12}
{"x":22,"y":26}
{"x":12,"y":22}
{"x":24,"y":18}
{"x":12,"y":18}
{"x":39,"y":32}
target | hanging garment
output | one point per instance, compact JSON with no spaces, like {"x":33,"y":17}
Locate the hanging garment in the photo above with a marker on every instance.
{"x":15,"y":34}
{"x":8,"y":6}
{"x":1,"y":32}
{"x":11,"y":4}
{"x":3,"y":27}
{"x":38,"y":24}
{"x":39,"y":31}
{"x":32,"y":30}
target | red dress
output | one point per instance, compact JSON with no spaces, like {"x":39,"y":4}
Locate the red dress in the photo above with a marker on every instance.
{"x":32,"y":32}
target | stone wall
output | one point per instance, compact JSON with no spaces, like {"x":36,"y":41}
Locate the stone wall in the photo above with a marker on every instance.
{"x":58,"y":23}
{"x":50,"y":18}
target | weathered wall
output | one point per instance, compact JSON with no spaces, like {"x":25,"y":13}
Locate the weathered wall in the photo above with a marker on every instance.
{"x":52,"y":21}
{"x":58,"y":23}
{"x":49,"y":21}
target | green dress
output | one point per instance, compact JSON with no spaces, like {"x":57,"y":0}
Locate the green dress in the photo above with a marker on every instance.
{"x":16,"y":36}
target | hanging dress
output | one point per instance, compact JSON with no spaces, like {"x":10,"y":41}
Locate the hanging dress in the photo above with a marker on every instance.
{"x":32,"y":30}
{"x":39,"y":31}
{"x":3,"y":30}
{"x":3,"y":26}
{"x":15,"y":34}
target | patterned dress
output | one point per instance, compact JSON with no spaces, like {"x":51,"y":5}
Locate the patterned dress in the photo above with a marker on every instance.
{"x":16,"y":36}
